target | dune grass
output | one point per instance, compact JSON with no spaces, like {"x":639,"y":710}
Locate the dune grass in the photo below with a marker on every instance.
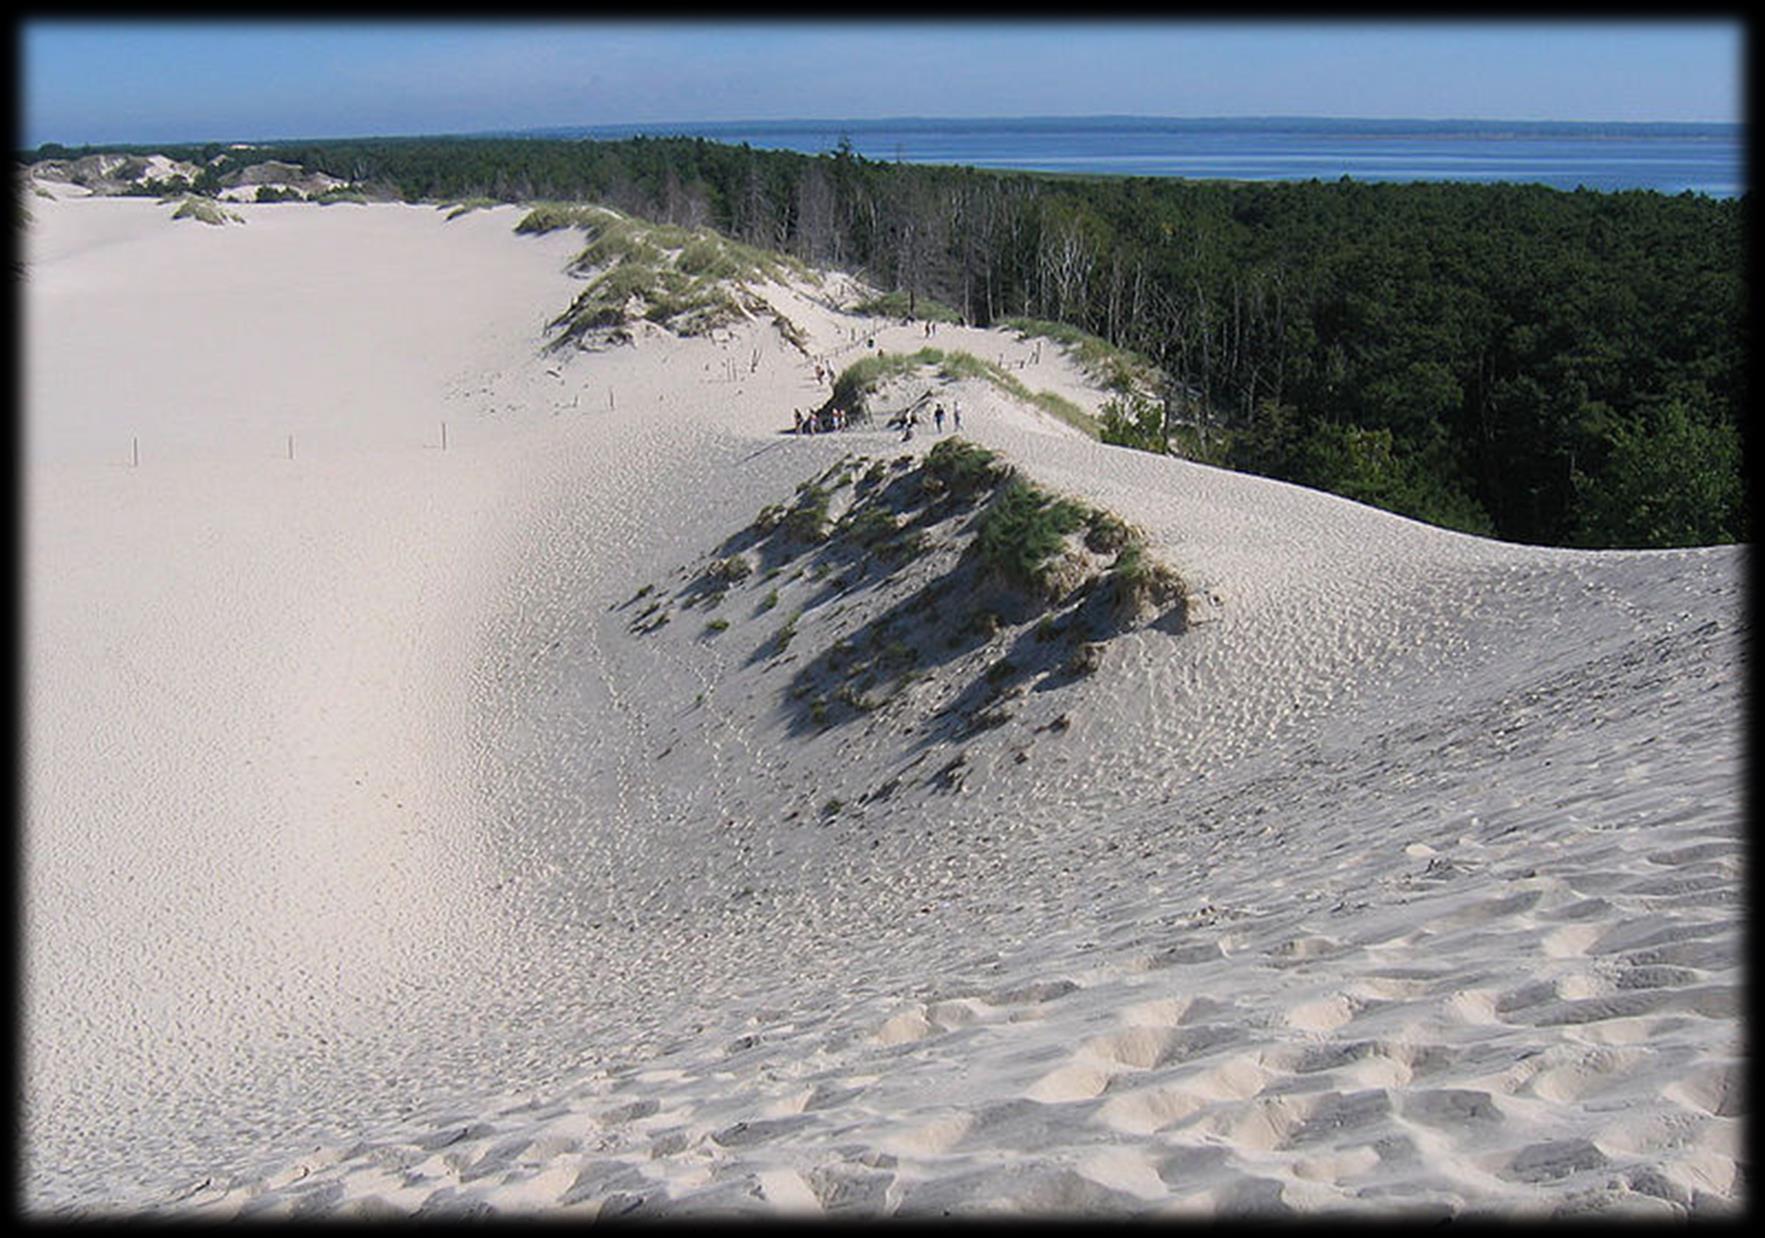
{"x":952,"y":567}
{"x":466,"y":207}
{"x":964,"y":469}
{"x":1138,"y":583}
{"x":206,"y":210}
{"x":331,"y":197}
{"x":690,"y":280}
{"x":1023,"y":532}
{"x":860,"y":380}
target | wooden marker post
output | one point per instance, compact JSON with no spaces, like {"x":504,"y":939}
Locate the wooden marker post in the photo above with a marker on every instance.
{"x":444,"y":436}
{"x":135,"y":449}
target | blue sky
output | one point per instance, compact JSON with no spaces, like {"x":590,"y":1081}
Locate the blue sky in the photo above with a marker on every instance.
{"x":165,"y":81}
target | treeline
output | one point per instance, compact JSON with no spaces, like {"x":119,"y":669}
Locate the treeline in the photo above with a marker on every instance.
{"x":1547,"y":367}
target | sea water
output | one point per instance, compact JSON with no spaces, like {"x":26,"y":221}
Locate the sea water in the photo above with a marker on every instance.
{"x":1669,"y":158}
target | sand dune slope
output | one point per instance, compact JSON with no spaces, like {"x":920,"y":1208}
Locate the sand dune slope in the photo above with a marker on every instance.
{"x":411,"y":831}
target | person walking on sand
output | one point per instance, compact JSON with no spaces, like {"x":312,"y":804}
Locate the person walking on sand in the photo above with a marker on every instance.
{"x":938,"y":417}
{"x":955,"y":415}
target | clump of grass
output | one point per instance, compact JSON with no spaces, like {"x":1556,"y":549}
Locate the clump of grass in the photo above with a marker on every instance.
{"x":964,"y":469}
{"x":467,"y":206}
{"x":859,"y":381}
{"x":1138,"y":583}
{"x":869,"y":526}
{"x":1000,"y":671}
{"x":1086,"y":659}
{"x":807,"y":519}
{"x":205,"y":210}
{"x":1057,"y":405}
{"x":550,"y":216}
{"x":732,"y":569}
{"x":689,"y":280}
{"x":1106,"y":532}
{"x":854,"y":699}
{"x":898,"y":655}
{"x":1022,"y":535}
{"x":769,"y":601}
{"x":787,"y":632}
{"x":908,"y":545}
{"x":719,"y":624}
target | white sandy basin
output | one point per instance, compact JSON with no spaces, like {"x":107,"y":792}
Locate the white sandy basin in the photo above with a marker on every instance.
{"x":372,"y":864}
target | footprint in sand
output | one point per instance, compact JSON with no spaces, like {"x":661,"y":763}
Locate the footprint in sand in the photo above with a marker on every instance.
{"x":1324,"y":1015}
{"x":1719,"y":1090}
{"x":904,"y":1028}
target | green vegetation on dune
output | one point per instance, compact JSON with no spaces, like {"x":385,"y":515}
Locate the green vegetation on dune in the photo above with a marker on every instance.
{"x":945,"y":588}
{"x":690,"y":280}
{"x":855,"y":384}
{"x":963,"y":469}
{"x":1022,"y":533}
{"x":206,"y":210}
{"x":456,"y":209}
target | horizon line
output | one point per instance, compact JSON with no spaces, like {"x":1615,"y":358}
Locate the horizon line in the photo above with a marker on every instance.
{"x":1282,"y":118}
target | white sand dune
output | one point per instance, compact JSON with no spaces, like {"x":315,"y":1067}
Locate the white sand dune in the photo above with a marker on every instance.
{"x":383,"y":856}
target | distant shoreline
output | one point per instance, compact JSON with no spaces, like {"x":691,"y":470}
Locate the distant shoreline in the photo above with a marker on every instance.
{"x":1303,"y":124}
{"x":1666,"y":157}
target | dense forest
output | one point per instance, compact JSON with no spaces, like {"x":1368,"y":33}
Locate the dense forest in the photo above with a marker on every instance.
{"x":1541,"y":366}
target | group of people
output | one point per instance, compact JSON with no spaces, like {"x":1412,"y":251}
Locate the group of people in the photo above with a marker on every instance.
{"x":833,"y":417}
{"x":813,"y":422}
{"x":910,"y":419}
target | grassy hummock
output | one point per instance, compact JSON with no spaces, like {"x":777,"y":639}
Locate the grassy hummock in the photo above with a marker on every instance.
{"x":1023,"y":533}
{"x":859,"y":381}
{"x":690,"y":280}
{"x":206,"y":210}
{"x":947,"y":588}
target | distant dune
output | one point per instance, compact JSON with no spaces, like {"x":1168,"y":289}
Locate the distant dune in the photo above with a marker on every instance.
{"x":425,"y":813}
